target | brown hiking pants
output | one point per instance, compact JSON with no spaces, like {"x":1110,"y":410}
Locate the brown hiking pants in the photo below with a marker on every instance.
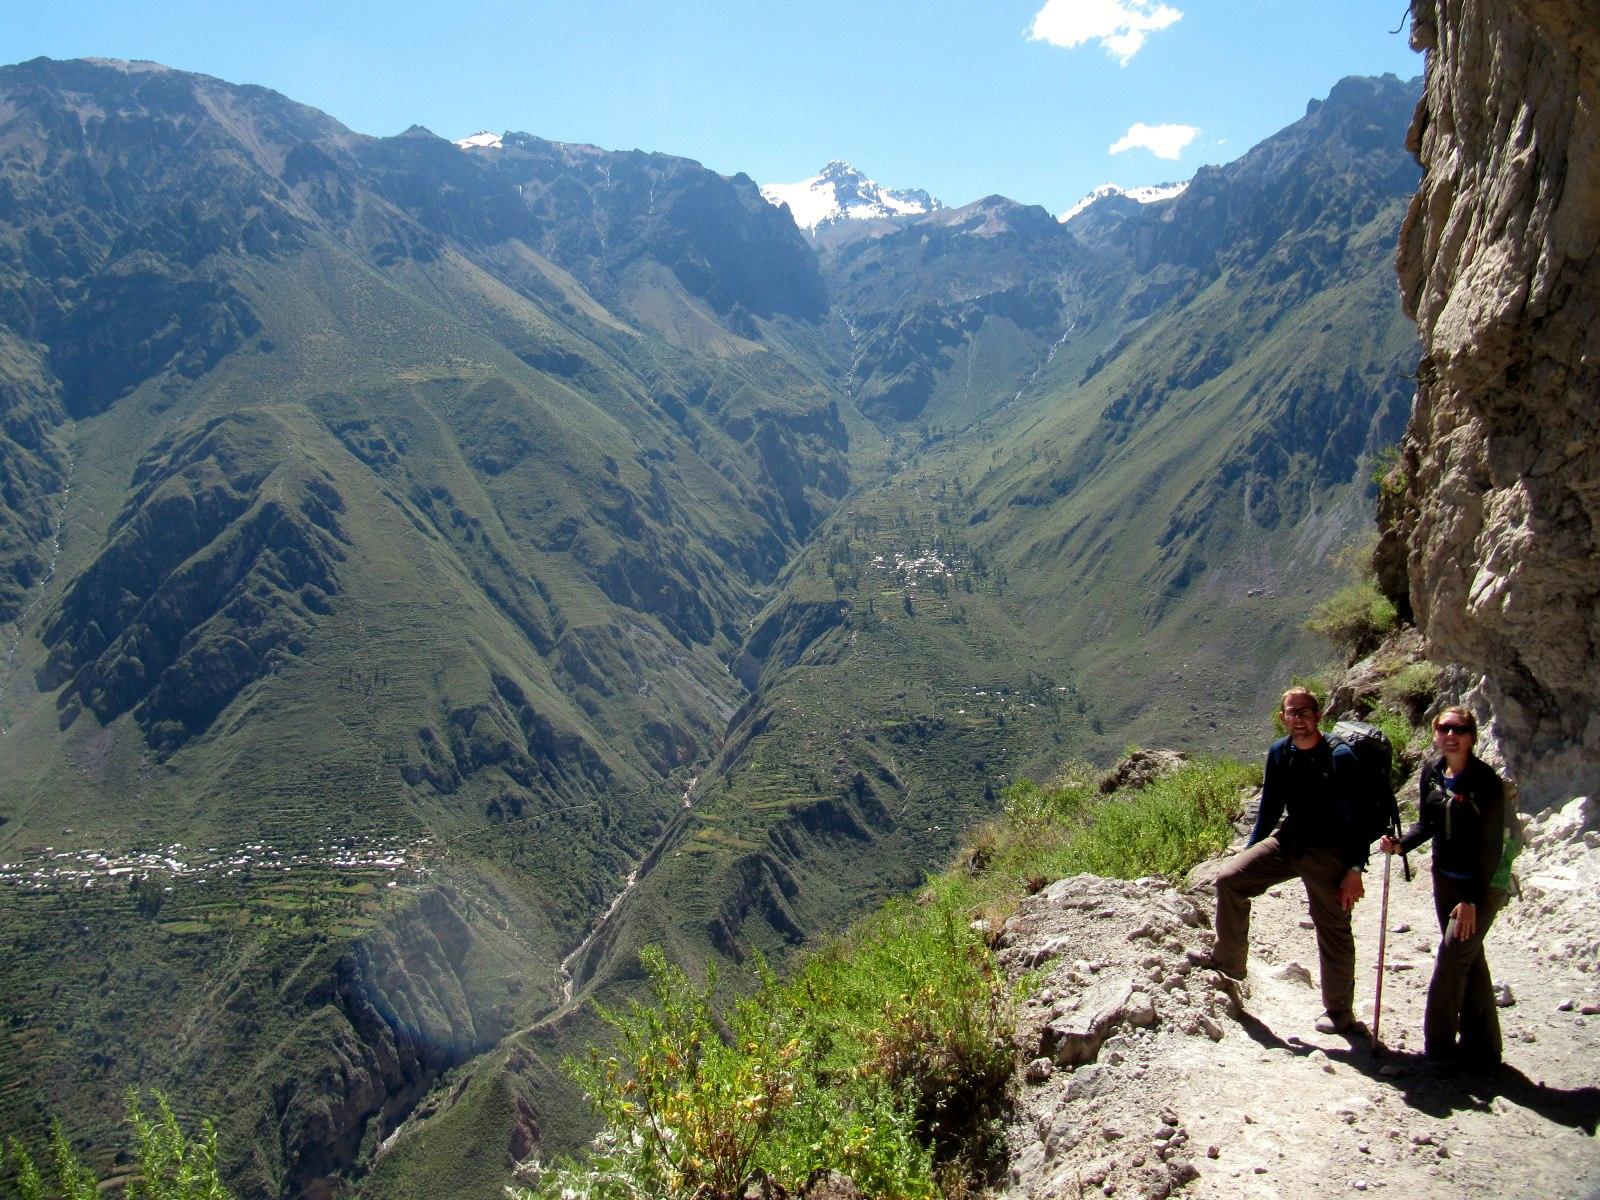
{"x":1257,"y":868}
{"x":1461,"y":994}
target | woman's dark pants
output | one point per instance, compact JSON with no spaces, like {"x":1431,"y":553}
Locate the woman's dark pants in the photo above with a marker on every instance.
{"x":1462,"y":1023}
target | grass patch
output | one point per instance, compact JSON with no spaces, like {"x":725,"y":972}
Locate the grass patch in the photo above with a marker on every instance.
{"x":1412,"y":689}
{"x":181,"y":927}
{"x":1356,"y":617}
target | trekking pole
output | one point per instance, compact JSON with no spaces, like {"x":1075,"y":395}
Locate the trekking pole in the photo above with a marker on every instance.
{"x":1383,"y":937}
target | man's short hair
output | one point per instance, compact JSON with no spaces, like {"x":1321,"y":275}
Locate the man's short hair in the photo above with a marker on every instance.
{"x":1305,"y":694}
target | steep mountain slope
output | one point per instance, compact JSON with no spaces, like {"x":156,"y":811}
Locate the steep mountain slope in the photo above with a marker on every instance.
{"x":1217,"y":448}
{"x":1117,"y":459}
{"x":442,"y":541}
{"x":1121,"y":540}
{"x":375,"y":526}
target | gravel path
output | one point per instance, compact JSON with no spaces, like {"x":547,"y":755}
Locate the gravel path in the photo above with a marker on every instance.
{"x":1149,"y":1075}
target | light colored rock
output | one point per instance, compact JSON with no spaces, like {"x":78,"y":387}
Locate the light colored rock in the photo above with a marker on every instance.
{"x":1075,"y":1037}
{"x":1496,"y":537}
{"x":1140,"y":1011}
{"x":1140,"y":768}
{"x":1291,"y":972}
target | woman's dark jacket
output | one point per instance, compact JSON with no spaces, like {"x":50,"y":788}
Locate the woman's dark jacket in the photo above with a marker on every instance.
{"x":1467,"y":826}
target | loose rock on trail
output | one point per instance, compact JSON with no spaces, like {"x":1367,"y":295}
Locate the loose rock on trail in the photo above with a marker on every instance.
{"x":1148,"y":1074}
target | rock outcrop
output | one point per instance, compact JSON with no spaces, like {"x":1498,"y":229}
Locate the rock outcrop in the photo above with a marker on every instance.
{"x":1149,"y":1075}
{"x":1495,"y":540}
{"x":1119,"y":982}
{"x":402,"y":1009}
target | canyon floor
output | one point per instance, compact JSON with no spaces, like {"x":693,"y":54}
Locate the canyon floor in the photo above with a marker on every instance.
{"x":1149,"y":1075}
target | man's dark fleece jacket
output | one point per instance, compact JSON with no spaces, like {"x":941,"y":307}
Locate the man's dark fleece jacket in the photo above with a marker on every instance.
{"x":1320,"y":788}
{"x":1466,"y":823}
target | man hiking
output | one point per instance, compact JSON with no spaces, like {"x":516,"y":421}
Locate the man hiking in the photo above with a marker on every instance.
{"x":1317,"y":783}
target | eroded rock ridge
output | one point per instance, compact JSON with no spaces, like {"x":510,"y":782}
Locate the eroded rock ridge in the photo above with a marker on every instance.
{"x":1495,"y":541}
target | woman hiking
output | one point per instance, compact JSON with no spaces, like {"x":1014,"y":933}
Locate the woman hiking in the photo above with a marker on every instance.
{"x":1462,"y":808}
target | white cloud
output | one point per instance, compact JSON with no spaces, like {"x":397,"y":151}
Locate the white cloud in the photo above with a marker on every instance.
{"x":1164,"y":141}
{"x":1119,"y":25}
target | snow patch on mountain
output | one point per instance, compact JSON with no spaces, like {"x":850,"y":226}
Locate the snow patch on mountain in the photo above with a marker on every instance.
{"x":1141,"y":195}
{"x":839,"y":192}
{"x":484,"y":141}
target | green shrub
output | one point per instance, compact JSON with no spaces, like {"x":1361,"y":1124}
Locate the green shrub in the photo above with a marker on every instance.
{"x":1388,"y":472}
{"x":1166,"y":827}
{"x":1356,"y":617}
{"x":172,"y":1165}
{"x":1412,"y":689}
{"x":685,"y":1112}
{"x":816,"y":1073}
{"x":887,"y":1054}
{"x":1025,"y":802}
{"x":912,"y":1001}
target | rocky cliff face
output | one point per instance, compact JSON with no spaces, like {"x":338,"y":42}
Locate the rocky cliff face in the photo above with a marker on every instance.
{"x":1496,"y":540}
{"x":402,"y":1008}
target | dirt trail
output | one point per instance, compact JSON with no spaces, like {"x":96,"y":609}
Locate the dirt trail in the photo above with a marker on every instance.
{"x":1291,"y":1113}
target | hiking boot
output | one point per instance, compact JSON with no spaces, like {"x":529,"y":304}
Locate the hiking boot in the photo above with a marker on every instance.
{"x":1212,"y":963}
{"x":1336,"y":1022}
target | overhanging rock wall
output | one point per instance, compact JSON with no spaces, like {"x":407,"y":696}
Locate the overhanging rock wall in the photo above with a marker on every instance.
{"x":1497,"y":538}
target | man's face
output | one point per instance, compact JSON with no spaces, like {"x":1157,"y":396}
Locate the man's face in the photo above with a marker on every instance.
{"x":1300,"y":716}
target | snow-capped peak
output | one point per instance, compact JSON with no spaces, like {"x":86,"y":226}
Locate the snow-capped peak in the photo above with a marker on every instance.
{"x":839,"y":192}
{"x":1141,"y":195}
{"x":484,"y":141}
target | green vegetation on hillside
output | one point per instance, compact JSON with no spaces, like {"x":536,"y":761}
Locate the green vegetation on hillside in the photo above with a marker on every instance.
{"x":1355,"y":617}
{"x":885,"y":1055}
{"x":560,"y":512}
{"x":170,"y":1164}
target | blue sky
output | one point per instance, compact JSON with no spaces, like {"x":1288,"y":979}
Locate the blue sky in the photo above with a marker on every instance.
{"x":961,"y":97}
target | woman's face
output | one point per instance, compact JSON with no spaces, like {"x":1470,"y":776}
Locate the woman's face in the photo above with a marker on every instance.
{"x":1452,"y":736}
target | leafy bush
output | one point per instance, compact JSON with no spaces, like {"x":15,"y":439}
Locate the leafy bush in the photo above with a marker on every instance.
{"x":913,"y":1002}
{"x":172,"y":1165}
{"x":1025,"y":802}
{"x":1411,"y":690}
{"x":1356,"y":617}
{"x":685,"y":1112}
{"x":887,"y":1055}
{"x":1388,"y":472}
